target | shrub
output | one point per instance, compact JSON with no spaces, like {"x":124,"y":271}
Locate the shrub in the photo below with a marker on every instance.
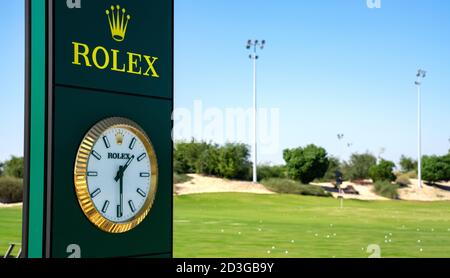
{"x":383,"y":171}
{"x":446,"y":161}
{"x":403,"y":180}
{"x":208,"y":161}
{"x":11,"y":190}
{"x":288,"y":186}
{"x":233,"y":162}
{"x":178,"y":167}
{"x":186,"y":156}
{"x":386,"y":189}
{"x":229,"y":161}
{"x":436,"y":168}
{"x":306,"y":164}
{"x":358,"y":166}
{"x":14,"y":167}
{"x":407,"y":164}
{"x":267,"y":172}
{"x":180,"y":178}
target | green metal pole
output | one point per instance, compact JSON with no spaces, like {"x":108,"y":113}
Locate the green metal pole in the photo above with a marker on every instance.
{"x":37,"y":128}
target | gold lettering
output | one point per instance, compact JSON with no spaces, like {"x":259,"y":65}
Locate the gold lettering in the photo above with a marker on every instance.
{"x":115,"y":61}
{"x":83,"y":56}
{"x":151,"y":67}
{"x":94,"y":57}
{"x":77,"y":53}
{"x":133,"y":63}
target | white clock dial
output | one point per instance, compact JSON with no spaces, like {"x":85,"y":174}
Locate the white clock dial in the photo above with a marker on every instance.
{"x":119,"y":174}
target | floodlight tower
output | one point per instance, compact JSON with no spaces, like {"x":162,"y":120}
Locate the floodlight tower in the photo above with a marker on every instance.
{"x":421,"y":74}
{"x":340,"y":136}
{"x":253,"y":46}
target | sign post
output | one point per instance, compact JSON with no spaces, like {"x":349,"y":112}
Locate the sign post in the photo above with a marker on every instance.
{"x":98,"y":147}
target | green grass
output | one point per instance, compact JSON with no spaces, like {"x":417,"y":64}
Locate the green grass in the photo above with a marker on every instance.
{"x":10,"y":228}
{"x":245,"y":225}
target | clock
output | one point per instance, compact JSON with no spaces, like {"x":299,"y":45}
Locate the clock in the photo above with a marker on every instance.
{"x":116,"y":175}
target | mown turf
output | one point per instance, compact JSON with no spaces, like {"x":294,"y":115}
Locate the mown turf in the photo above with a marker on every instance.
{"x":245,"y":225}
{"x":10,"y":228}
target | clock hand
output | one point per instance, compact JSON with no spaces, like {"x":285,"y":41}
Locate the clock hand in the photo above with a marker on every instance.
{"x":121,"y":195}
{"x":123,"y":168}
{"x":119,"y":178}
{"x":128,"y":163}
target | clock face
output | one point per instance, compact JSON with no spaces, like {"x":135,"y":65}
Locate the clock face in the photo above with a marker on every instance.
{"x":118,"y":174}
{"x":115,"y":175}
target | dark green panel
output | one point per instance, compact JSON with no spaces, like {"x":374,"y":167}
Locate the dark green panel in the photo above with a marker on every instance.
{"x":76,"y":111}
{"x":149,"y":32}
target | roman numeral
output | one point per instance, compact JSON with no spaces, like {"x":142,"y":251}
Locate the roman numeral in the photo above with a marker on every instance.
{"x":145,"y":175}
{"x":106,"y":141}
{"x":142,"y":156}
{"x":141,"y":192}
{"x":132,"y":207}
{"x":96,"y":155}
{"x":105,"y":206}
{"x":133,"y":142}
{"x":92,"y":174}
{"x":95,"y":193}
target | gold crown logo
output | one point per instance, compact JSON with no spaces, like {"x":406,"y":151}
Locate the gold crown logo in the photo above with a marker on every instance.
{"x":119,"y":138}
{"x":118,"y":22}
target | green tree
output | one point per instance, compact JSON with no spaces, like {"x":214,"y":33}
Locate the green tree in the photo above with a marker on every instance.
{"x":333,"y":166}
{"x":233,"y":161}
{"x":359,"y":165}
{"x":208,"y":160}
{"x":186,"y":156}
{"x":229,"y":161}
{"x":11,"y":190}
{"x":407,"y":164}
{"x":383,"y":171}
{"x":306,"y":164}
{"x":269,"y":172}
{"x":1,"y":168}
{"x":14,"y":167}
{"x":436,"y":168}
{"x":446,"y":160}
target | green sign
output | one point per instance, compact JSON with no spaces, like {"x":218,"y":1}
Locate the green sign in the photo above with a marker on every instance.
{"x":99,"y":99}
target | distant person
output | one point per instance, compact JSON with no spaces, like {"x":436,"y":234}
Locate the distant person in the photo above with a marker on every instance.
{"x":339,"y":179}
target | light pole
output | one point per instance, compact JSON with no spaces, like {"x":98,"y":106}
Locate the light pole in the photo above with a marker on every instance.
{"x":380,"y":153}
{"x":340,"y":136}
{"x":421,"y":74}
{"x":253,"y":46}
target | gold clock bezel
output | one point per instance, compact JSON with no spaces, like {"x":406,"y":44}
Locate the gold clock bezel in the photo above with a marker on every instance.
{"x":80,"y":175}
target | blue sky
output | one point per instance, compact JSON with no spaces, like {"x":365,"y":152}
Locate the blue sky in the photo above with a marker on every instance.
{"x":329,"y":66}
